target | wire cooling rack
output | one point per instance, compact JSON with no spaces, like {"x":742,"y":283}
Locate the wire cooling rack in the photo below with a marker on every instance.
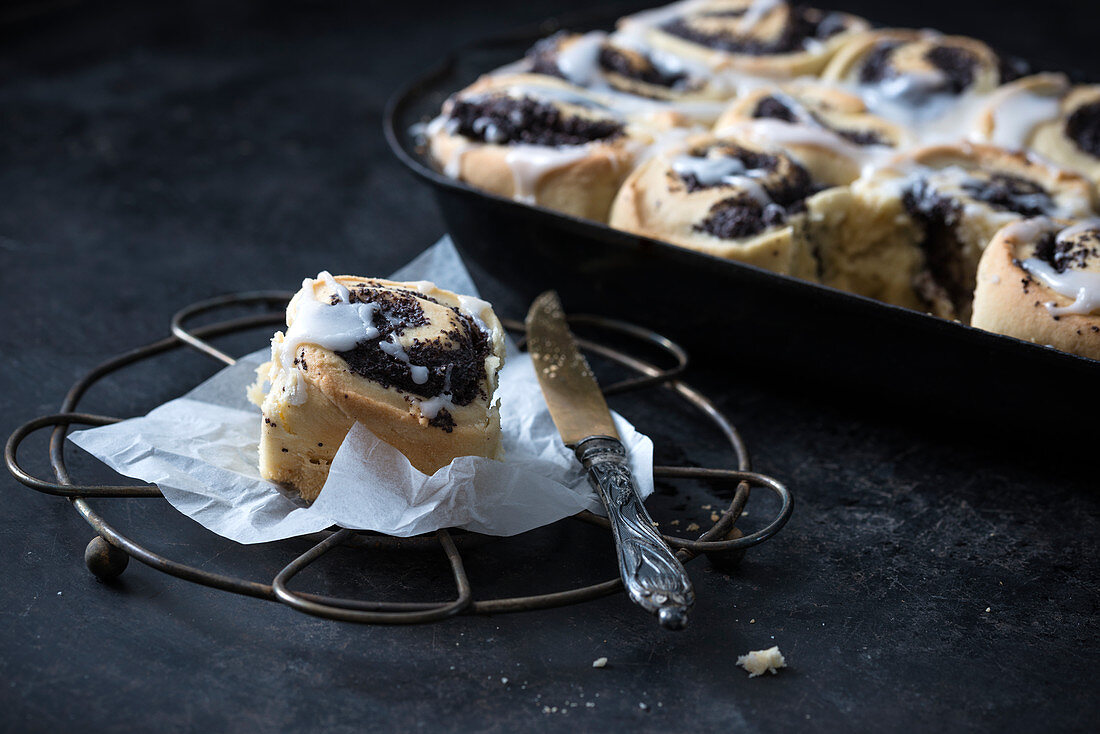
{"x":108,"y":553}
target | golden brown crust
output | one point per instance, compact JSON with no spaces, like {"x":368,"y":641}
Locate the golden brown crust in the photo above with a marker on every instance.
{"x":882,"y":251}
{"x":1037,"y":86}
{"x":1008,"y":300}
{"x":782,"y":65}
{"x":1050,"y":139}
{"x":654,"y":202}
{"x":691,"y":89}
{"x":832,"y":133}
{"x":577,"y":180}
{"x":845,"y":63}
{"x":302,"y":432}
{"x":990,"y":157}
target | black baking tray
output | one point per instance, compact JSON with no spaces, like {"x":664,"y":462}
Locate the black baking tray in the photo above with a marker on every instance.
{"x":802,"y":336}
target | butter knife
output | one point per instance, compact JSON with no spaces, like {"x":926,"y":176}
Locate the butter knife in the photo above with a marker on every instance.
{"x":653,"y":576}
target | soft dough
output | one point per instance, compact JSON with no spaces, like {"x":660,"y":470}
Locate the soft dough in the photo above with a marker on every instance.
{"x":1039,"y":280}
{"x":415,"y":364}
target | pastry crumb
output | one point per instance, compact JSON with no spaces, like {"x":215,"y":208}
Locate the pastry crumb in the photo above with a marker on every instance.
{"x":759,"y":662}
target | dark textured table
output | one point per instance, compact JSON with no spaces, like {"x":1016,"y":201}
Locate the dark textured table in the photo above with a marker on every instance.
{"x":150,"y":157}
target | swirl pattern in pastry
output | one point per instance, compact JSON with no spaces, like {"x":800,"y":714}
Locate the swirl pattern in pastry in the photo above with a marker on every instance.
{"x":725,"y":196}
{"x":763,"y":37}
{"x":829,"y":129}
{"x":537,"y":140}
{"x":1039,"y":280}
{"x":632,"y":76}
{"x":415,"y":364}
{"x":917,"y":78}
{"x":917,"y":228}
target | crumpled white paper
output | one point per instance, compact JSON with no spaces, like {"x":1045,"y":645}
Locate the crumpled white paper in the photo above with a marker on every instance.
{"x":201,"y":450}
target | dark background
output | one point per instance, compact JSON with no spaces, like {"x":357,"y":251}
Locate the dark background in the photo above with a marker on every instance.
{"x":151,"y":156}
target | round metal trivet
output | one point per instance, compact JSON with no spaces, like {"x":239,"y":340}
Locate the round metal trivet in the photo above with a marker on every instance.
{"x":108,"y":553}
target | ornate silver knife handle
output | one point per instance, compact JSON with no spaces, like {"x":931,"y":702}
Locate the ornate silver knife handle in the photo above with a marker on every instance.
{"x":653,"y":576}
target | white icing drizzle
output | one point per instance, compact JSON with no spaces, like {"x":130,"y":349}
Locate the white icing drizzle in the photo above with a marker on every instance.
{"x":916,"y":92}
{"x":780,"y":132}
{"x":696,"y":110}
{"x":1052,"y":203}
{"x":337,"y":327}
{"x":548,"y":93}
{"x":633,"y":37}
{"x":615,"y":103}
{"x":488,"y":130}
{"x":580,"y":64}
{"x":756,"y":12}
{"x":918,"y":101}
{"x":475,"y":308}
{"x":393,"y":348}
{"x":1017,"y":113}
{"x":529,"y":163}
{"x":797,"y":108}
{"x":579,"y":61}
{"x":341,"y":292}
{"x":1086,"y":225}
{"x":722,"y":170}
{"x":430,"y":407}
{"x":1028,"y":230}
{"x":431,"y":127}
{"x":1082,"y":286}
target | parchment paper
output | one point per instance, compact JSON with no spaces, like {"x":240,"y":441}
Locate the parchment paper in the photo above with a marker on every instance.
{"x":202,"y":451}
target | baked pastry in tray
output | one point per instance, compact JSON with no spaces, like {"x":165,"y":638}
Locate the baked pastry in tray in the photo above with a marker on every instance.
{"x":828,"y":128}
{"x":1044,"y":113}
{"x":1039,"y":280}
{"x":915,"y":230}
{"x":632,"y":77}
{"x":760,"y":37}
{"x":728,"y":197}
{"x":917,"y":77}
{"x":1014,"y":113}
{"x":538,"y":140}
{"x":879,"y":162}
{"x":1073,"y":139}
{"x":415,"y":364}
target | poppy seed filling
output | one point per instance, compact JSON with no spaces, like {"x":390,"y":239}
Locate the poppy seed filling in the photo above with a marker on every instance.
{"x":1009,"y":193}
{"x":771,"y":108}
{"x":1083,"y":128}
{"x":939,"y":214}
{"x":455,"y":359}
{"x":1067,"y":253}
{"x":637,"y":67}
{"x":741,"y":214}
{"x":803,"y":24}
{"x":956,"y":64}
{"x":545,"y":54}
{"x":505,"y":120}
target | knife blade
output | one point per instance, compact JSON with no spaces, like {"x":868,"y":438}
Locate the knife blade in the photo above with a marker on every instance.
{"x":654,"y":578}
